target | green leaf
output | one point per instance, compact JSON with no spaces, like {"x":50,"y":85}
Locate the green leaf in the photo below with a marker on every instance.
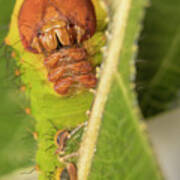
{"x":16,"y":142}
{"x":114,"y":145}
{"x":158,"y":58}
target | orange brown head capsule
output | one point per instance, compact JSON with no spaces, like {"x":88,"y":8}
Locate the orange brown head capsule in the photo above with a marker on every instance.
{"x":43,"y":24}
{"x":57,"y":28}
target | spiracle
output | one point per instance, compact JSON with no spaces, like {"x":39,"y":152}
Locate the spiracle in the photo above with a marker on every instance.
{"x":57,"y":29}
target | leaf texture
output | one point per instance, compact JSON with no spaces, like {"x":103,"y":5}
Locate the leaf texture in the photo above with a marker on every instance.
{"x":158,"y":58}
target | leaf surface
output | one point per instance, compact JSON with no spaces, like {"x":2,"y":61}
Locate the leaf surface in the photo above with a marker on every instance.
{"x":17,"y":147}
{"x":158,"y":58}
{"x":114,"y":145}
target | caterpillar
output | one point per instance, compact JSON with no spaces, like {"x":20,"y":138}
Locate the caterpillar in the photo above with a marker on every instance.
{"x":38,"y":61}
{"x":57,"y":29}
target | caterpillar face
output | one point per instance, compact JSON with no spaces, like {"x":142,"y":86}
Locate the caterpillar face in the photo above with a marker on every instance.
{"x":43,"y":22}
{"x":57,"y":28}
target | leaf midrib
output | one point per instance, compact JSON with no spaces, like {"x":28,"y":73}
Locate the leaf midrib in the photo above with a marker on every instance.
{"x":115,"y":45}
